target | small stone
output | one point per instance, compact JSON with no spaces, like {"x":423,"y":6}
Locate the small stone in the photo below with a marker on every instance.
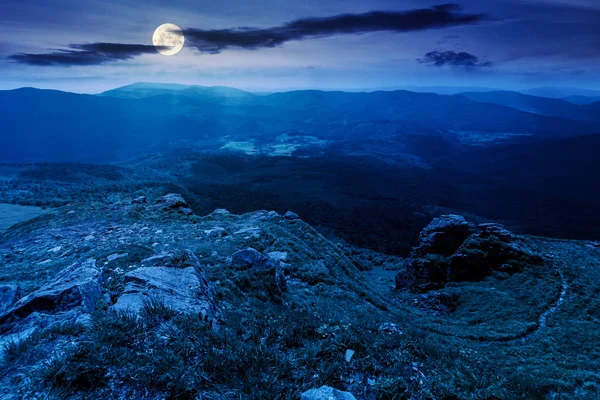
{"x":349,"y":354}
{"x":139,"y":200}
{"x":326,"y":393}
{"x":389,"y":327}
{"x":278,"y":256}
{"x":216,"y":232}
{"x":114,"y":257}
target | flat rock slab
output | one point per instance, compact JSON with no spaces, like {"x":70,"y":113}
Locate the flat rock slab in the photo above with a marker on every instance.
{"x":184,"y":290}
{"x":326,"y":393}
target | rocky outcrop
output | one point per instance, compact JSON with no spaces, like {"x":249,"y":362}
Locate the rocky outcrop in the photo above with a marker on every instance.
{"x":451,"y":249}
{"x":326,"y":393}
{"x":443,"y":236}
{"x":175,"y":281}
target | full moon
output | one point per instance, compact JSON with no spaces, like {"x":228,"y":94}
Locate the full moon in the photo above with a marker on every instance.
{"x":168,"y":39}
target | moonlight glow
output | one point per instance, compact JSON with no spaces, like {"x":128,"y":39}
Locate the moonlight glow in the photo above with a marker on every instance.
{"x":168,"y":39}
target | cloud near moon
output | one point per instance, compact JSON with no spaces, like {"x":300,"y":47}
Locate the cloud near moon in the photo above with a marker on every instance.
{"x":215,"y":41}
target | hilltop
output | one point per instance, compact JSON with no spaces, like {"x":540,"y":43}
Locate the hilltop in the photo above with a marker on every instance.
{"x":140,"y":297}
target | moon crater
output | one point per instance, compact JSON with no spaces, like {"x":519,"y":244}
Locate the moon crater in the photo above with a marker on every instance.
{"x":168,"y":39}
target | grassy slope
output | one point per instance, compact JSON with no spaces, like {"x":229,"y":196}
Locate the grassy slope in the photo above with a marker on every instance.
{"x":492,"y":345}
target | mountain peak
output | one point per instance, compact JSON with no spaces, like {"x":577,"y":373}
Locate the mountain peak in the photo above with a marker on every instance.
{"x":140,"y":90}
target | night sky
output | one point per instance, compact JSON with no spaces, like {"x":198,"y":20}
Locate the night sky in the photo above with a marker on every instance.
{"x":92,"y":45}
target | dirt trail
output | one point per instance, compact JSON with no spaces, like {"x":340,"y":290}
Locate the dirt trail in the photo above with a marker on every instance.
{"x":554,"y":307}
{"x":551,"y":310}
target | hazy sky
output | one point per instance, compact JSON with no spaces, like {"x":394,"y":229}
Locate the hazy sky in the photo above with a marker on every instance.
{"x":93,"y":45}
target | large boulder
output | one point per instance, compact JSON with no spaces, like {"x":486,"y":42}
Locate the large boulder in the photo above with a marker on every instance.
{"x":70,"y":297}
{"x":326,"y":393}
{"x":182,"y":290}
{"x":451,"y":249}
{"x":174,"y":201}
{"x":78,"y":286}
{"x":177,"y":283}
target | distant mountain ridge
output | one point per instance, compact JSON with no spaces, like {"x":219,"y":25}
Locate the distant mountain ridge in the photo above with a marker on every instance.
{"x":144,"y":89}
{"x":534,"y":104}
{"x":140,"y":118}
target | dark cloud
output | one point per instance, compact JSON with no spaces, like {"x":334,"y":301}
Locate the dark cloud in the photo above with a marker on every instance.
{"x":85,"y":54}
{"x":453,"y":59}
{"x":215,"y":41}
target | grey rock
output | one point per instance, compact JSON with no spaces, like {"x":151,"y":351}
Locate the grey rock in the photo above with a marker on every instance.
{"x":250,"y":258}
{"x":183,"y":290}
{"x":326,"y":393}
{"x":70,"y":297}
{"x":80,"y":285}
{"x":390,"y":328}
{"x":348,"y":355}
{"x":173,"y":259}
{"x":139,"y":200}
{"x":8,"y":296}
{"x":290,"y":215}
{"x":278,"y":256}
{"x":216,"y":232}
{"x":114,"y":257}
{"x":492,"y":229}
{"x":35,"y":321}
